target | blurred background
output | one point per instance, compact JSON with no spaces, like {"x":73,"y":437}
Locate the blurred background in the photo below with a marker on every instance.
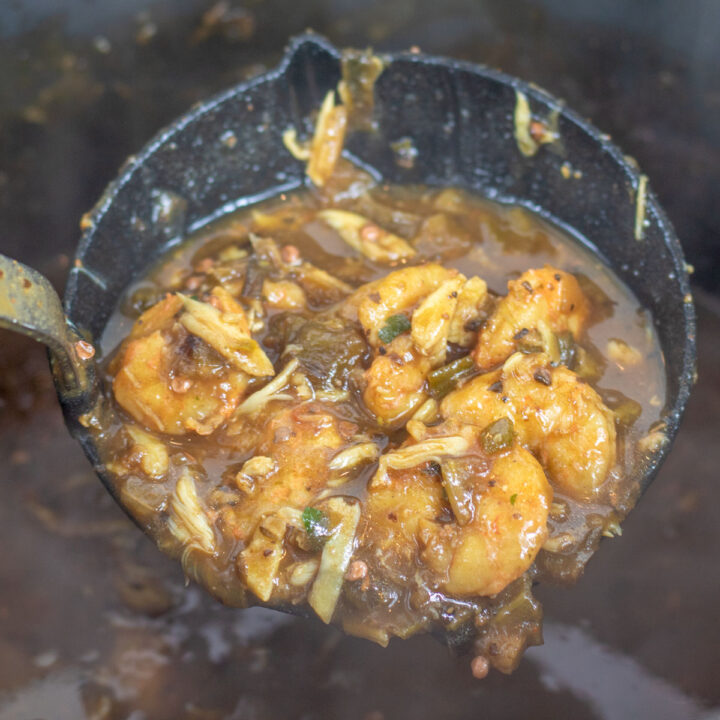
{"x":95,"y":623}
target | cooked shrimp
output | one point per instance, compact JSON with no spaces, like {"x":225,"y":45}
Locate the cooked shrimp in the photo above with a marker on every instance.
{"x":558,"y":416}
{"x":538,"y":303}
{"x":431,"y":321}
{"x":431,"y":295}
{"x":398,"y":291}
{"x":395,"y":382}
{"x":296,"y":475}
{"x":172,"y":381}
{"x":508,"y":498}
{"x":276,"y":498}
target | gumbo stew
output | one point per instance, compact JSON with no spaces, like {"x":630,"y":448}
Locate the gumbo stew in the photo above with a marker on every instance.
{"x":395,"y":408}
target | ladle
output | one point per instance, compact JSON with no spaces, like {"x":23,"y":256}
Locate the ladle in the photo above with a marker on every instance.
{"x":227,"y":152}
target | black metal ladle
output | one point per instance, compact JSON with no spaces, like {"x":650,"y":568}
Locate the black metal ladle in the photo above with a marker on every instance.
{"x":228,"y":152}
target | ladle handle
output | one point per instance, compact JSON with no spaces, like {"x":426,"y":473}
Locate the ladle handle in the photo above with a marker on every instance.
{"x":29,"y":305}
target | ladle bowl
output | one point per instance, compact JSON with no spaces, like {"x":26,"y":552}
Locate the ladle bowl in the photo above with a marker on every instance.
{"x":227,"y":153}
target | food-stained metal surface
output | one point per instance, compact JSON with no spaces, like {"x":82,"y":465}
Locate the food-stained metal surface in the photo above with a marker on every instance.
{"x":95,"y":623}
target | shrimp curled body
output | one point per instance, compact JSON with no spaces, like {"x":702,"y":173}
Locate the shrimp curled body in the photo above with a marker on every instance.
{"x":537,"y":303}
{"x":555,"y":414}
{"x":506,"y":497}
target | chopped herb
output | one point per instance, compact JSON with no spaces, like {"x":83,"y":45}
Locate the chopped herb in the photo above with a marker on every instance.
{"x":457,"y":478}
{"x":445,"y":378}
{"x":566,"y":346}
{"x":395,"y":325}
{"x":498,"y":436}
{"x":317,"y":526}
{"x":513,"y":498}
{"x":626,"y":410}
{"x":529,"y":342}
